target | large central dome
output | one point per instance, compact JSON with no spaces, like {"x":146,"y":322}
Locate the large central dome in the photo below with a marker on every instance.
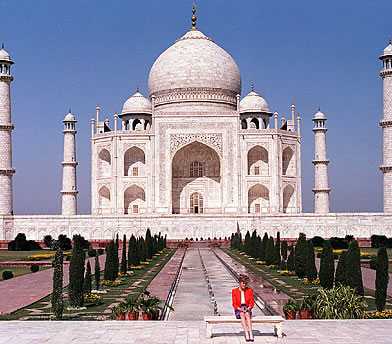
{"x":194,"y":68}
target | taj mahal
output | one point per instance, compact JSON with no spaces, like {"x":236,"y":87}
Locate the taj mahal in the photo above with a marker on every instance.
{"x":199,"y":156}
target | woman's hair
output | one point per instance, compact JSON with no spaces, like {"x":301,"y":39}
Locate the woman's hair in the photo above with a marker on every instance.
{"x":243,"y":278}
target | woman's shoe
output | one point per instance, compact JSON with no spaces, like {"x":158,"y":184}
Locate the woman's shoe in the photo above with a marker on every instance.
{"x":251,"y":338}
{"x":246,"y":336}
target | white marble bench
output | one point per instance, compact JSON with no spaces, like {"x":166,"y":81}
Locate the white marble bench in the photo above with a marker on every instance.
{"x":229,"y":319}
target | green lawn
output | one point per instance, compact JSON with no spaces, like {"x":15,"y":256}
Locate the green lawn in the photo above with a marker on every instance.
{"x":41,"y":309}
{"x":6,"y":255}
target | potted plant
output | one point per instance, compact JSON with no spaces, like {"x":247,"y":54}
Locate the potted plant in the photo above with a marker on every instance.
{"x":132,"y":306}
{"x":150,"y":307}
{"x":290,"y":309}
{"x":305,"y":311}
{"x":118,"y":312}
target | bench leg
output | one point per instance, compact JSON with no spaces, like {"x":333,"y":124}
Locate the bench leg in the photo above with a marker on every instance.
{"x":208,"y":330}
{"x":278,"y":330}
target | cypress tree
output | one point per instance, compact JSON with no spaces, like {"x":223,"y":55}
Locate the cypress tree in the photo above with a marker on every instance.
{"x":57,"y":294}
{"x":164,"y":241}
{"x":97,"y":273}
{"x":87,"y":286}
{"x":327,"y":266}
{"x":109,"y":273}
{"x":340,"y":274}
{"x":382,"y":278}
{"x":291,"y":259}
{"x":76,"y":274}
{"x":270,"y":252}
{"x":259,"y":247}
{"x":246,"y":248}
{"x":353,"y":268}
{"x":264,"y":246}
{"x":124,"y":255}
{"x":133,"y":257}
{"x":117,"y":240}
{"x":148,"y":243}
{"x":116,"y":261}
{"x":311,"y":270}
{"x":142,"y":250}
{"x":277,"y":259}
{"x":283,"y":252}
{"x":253,"y":245}
{"x":300,"y":256}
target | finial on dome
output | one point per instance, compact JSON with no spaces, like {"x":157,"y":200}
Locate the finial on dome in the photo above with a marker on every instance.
{"x":2,"y":45}
{"x":69,"y":110}
{"x":137,"y":89}
{"x":194,"y":17}
{"x":252,"y":86}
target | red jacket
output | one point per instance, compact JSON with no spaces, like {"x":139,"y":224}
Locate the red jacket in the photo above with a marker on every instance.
{"x":236,"y":298}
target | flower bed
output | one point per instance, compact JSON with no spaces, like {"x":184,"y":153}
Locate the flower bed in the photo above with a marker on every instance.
{"x":387,"y":314}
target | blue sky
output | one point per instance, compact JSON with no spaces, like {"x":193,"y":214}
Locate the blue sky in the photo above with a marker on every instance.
{"x":81,"y":53}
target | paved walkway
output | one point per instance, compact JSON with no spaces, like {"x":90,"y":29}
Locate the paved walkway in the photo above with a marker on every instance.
{"x":24,"y":290}
{"x":193,"y":332}
{"x":192,"y":300}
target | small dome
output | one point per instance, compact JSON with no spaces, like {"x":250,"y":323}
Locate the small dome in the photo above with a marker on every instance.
{"x":70,"y":117}
{"x":4,"y":55}
{"x":388,"y":49}
{"x":319,"y":115}
{"x":137,"y":104}
{"x":253,"y":102}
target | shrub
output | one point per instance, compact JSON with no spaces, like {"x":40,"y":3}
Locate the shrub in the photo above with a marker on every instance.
{"x":7,"y":274}
{"x":373,"y":263}
{"x":57,"y":294}
{"x":311,"y":270}
{"x":340,"y":274}
{"x":64,"y":242}
{"x":317,"y":241}
{"x":76,"y":274}
{"x":327,"y":267}
{"x":382,"y":278}
{"x":100,"y":251}
{"x":301,"y":256}
{"x":91,"y":252}
{"x":353,"y":268}
{"x":338,"y":243}
{"x":340,"y":302}
{"x":48,"y":241}
{"x":378,"y":240}
{"x":34,"y":268}
{"x":21,"y":244}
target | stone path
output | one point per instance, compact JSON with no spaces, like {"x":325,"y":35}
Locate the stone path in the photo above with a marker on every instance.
{"x":161,"y":284}
{"x":193,"y":332}
{"x":24,"y":290}
{"x":192,"y":300}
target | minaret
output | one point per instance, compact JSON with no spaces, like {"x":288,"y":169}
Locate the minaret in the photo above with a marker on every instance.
{"x":6,"y":127}
{"x":386,"y":125}
{"x":69,"y":191}
{"x":321,"y":188}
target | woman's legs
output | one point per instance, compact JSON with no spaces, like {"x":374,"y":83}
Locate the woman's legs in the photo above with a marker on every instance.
{"x":248,"y":321}
{"x":244,"y":324}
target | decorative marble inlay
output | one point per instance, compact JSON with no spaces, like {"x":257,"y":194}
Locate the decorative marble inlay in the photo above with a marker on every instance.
{"x":177,"y":141}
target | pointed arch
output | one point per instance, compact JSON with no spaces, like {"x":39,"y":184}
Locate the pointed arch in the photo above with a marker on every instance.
{"x":288,"y":162}
{"x":258,"y":199}
{"x":258,"y":163}
{"x":104,"y":200}
{"x":104,"y":164}
{"x":134,"y":162}
{"x":289,"y":199}
{"x":134,"y":200}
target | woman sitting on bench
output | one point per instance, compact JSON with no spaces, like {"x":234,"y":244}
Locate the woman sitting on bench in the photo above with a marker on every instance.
{"x":243,"y":302}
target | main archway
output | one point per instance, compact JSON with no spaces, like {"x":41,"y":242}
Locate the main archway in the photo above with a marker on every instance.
{"x":196,"y":169}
